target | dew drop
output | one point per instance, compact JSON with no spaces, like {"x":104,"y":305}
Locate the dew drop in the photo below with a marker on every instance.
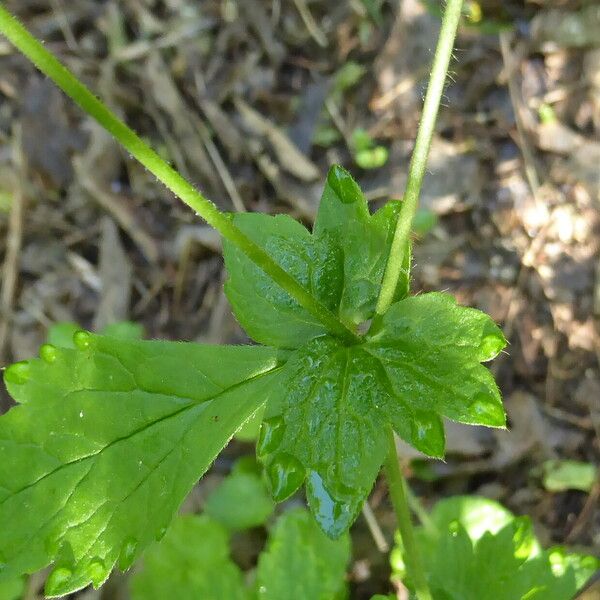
{"x":97,"y":572}
{"x":18,"y":373}
{"x":127,"y":554}
{"x":333,"y":516}
{"x":82,"y":339}
{"x":48,"y":353}
{"x":271,"y":434}
{"x":57,"y":583}
{"x":286,"y":474}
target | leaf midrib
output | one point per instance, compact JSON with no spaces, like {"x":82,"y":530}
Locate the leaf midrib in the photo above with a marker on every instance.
{"x":192,"y":404}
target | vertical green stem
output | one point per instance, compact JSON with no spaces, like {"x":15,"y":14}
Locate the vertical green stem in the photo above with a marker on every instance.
{"x":418,"y":163}
{"x":50,"y":66}
{"x":397,"y":487}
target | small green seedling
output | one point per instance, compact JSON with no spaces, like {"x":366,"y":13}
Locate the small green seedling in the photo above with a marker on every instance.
{"x":367,"y":153}
{"x":111,"y":432}
{"x":478,"y":550}
{"x":192,"y":561}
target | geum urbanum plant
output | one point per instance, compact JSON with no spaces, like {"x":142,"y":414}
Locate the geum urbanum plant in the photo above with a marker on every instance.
{"x":109,"y":437}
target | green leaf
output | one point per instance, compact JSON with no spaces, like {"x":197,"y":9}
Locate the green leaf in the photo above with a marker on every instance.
{"x":301,"y":563}
{"x":363,"y":240}
{"x":107,"y":441}
{"x":341,"y":264}
{"x":562,"y":475}
{"x":367,"y":154}
{"x":12,"y":589}
{"x":192,"y":561}
{"x":480,"y":551}
{"x":374,"y":10}
{"x":61,"y":334}
{"x":325,"y":423}
{"x":431,"y":349}
{"x":267,"y":313}
{"x":124,"y":329}
{"x":240,"y":502}
{"x":424,"y":221}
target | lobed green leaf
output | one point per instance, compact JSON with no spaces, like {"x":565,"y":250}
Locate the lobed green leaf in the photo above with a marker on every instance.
{"x":191,"y":561}
{"x":107,"y":441}
{"x":241,"y":501}
{"x":325,"y":421}
{"x":341,"y":264}
{"x":477,"y":550}
{"x":301,"y":563}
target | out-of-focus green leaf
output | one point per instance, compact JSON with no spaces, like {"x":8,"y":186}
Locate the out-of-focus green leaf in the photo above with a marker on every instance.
{"x":191,"y":562}
{"x":561,"y":475}
{"x":12,"y":589}
{"x":373,"y":9}
{"x":126,"y":330}
{"x":61,"y":334}
{"x":367,"y":154}
{"x":6,"y":200}
{"x":424,"y":221}
{"x":301,"y":563}
{"x":477,"y":550}
{"x":348,"y":76}
{"x":241,"y":501}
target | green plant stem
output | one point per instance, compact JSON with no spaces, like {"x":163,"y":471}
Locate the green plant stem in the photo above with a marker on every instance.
{"x":397,"y":487}
{"x":418,"y":163}
{"x":50,"y":66}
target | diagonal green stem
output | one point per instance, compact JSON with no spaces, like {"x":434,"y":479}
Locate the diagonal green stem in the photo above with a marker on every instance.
{"x":50,"y":66}
{"x":397,"y":487}
{"x":418,"y":163}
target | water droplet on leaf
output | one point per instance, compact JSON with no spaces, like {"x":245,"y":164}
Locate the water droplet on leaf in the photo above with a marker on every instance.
{"x":58,"y":581}
{"x":97,"y":572}
{"x":333,"y":516}
{"x":270,"y":436}
{"x":127,"y":554}
{"x":48,"y":353}
{"x":286,"y":474}
{"x":82,"y":339}
{"x":18,"y":373}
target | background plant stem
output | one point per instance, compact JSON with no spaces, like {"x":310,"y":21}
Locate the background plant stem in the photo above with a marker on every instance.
{"x":50,"y":66}
{"x":397,"y":487}
{"x":418,"y":163}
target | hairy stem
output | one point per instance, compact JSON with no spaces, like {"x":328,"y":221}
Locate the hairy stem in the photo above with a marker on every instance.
{"x":418,"y":163}
{"x":50,"y":66}
{"x":397,"y":487}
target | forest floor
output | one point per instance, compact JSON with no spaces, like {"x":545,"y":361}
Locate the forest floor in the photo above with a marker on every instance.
{"x":253,"y":100}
